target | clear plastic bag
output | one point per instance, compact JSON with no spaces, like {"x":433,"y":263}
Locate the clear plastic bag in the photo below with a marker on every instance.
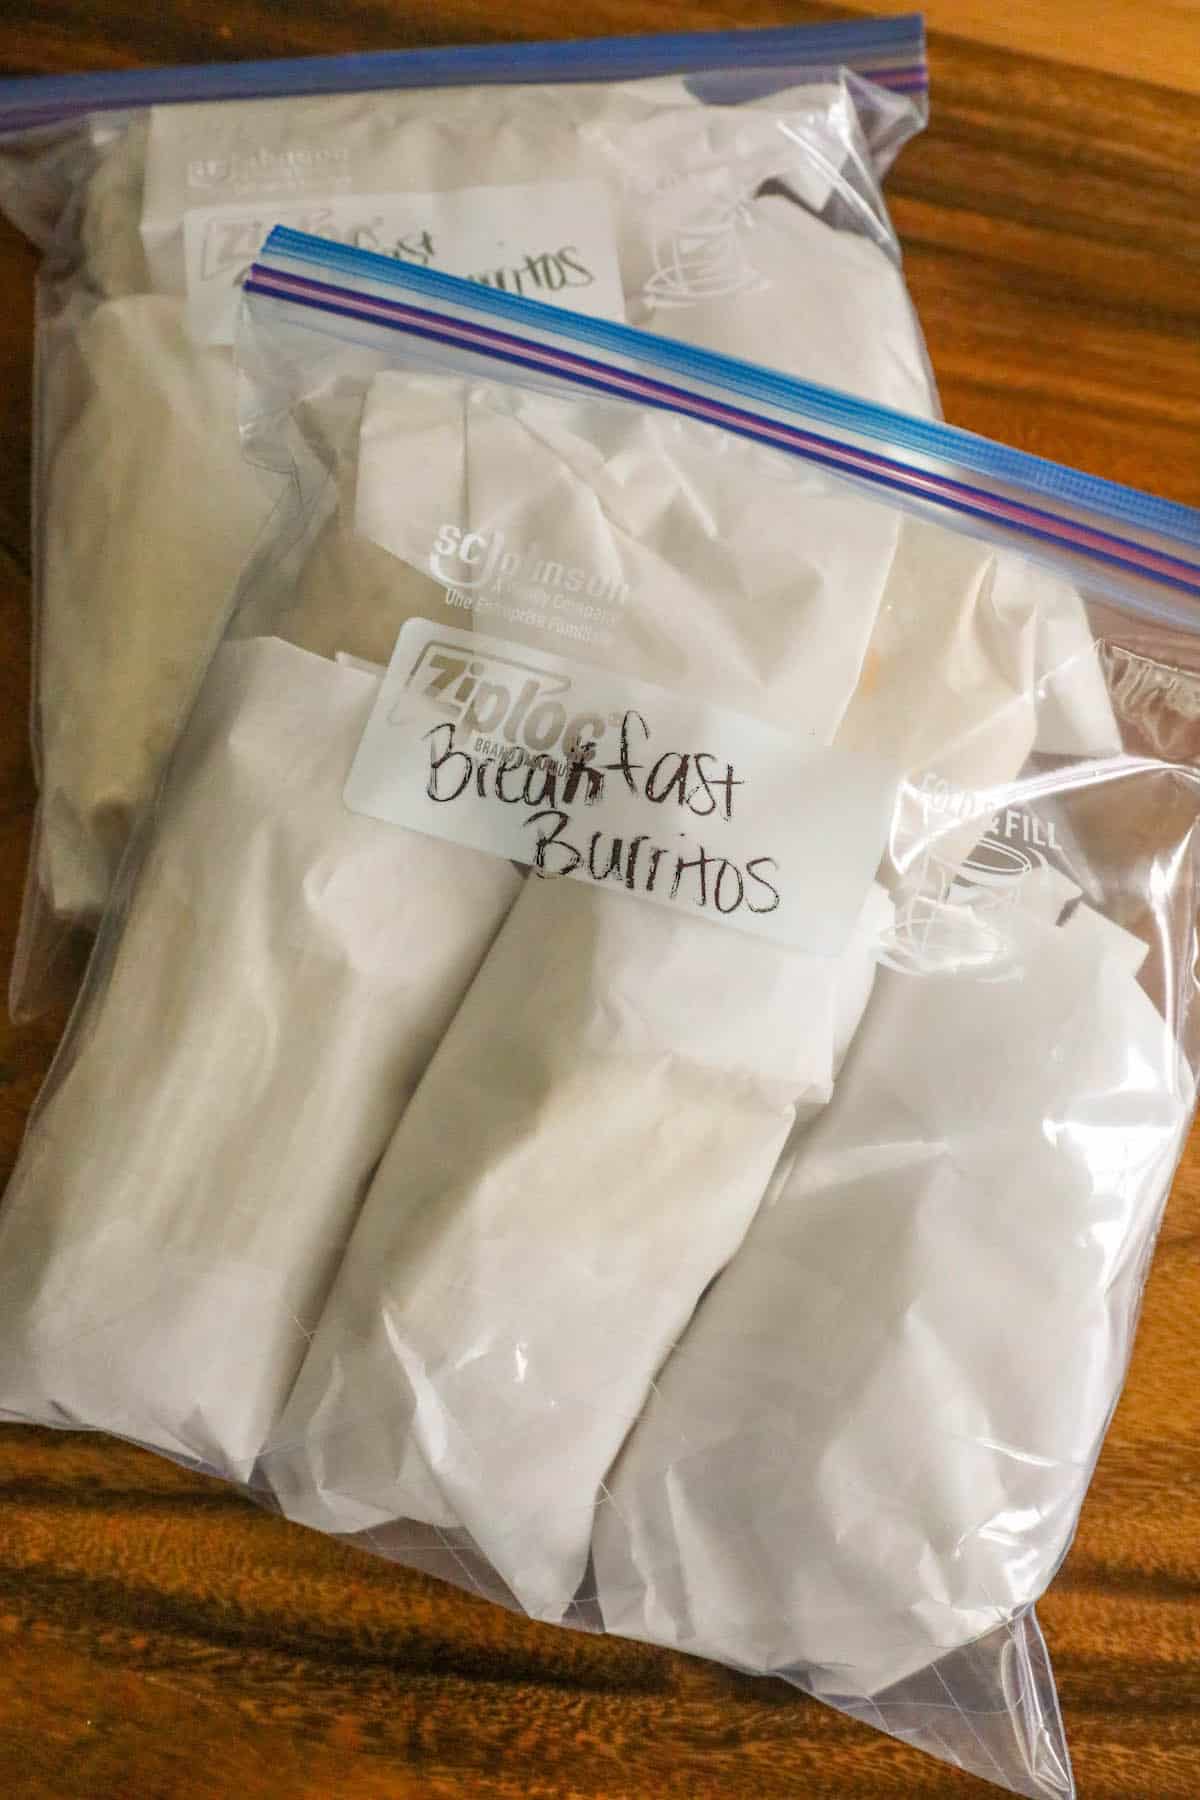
{"x":719,"y":187}
{"x":656,"y":1106}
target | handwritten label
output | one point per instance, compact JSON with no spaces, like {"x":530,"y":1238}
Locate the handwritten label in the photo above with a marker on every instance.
{"x":550,"y":241}
{"x":586,"y":774}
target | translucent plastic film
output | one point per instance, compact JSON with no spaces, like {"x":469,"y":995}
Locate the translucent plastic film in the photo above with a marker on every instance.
{"x":736,"y":209}
{"x":637,"y":1058}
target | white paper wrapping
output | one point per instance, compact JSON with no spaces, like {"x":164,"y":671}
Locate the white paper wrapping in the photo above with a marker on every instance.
{"x":282,"y":978}
{"x":585,"y":1153}
{"x":871,"y":1443}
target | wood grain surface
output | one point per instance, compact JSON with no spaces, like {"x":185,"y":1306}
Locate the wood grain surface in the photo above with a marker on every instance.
{"x":158,"y":1636}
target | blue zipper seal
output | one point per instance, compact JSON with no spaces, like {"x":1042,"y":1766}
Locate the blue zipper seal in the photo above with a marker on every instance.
{"x":947,"y":444}
{"x":890,"y":52}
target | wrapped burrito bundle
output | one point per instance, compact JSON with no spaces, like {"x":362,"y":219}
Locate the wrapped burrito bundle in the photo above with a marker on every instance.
{"x":872,"y":1442}
{"x":280,"y":982}
{"x":753,"y":226}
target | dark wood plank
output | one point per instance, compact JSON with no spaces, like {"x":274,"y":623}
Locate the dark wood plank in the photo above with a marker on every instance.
{"x":160,"y":1637}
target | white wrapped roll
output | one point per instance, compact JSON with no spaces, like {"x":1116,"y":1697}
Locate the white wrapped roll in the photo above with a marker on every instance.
{"x":284,"y":973}
{"x":871,"y":1443}
{"x":585,"y":1153}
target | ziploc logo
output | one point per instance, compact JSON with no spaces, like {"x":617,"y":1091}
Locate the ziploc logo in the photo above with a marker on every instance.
{"x":514,"y":701}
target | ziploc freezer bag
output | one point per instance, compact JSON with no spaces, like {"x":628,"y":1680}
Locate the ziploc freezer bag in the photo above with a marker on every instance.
{"x":711,"y":1056}
{"x":718,"y":187}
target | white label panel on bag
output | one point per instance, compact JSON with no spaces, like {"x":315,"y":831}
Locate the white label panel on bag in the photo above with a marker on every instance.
{"x":547,"y":240}
{"x":588,"y":774}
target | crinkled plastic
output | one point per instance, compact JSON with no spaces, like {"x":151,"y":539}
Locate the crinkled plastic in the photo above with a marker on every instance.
{"x":456,"y":1148}
{"x":735,"y":206}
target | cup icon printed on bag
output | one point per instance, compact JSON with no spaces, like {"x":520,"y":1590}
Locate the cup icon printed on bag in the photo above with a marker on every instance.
{"x":699,"y":251}
{"x":992,"y":875}
{"x":950,"y":912}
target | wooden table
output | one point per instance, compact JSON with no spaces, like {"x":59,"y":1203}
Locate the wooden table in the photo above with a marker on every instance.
{"x":160,"y":1637}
